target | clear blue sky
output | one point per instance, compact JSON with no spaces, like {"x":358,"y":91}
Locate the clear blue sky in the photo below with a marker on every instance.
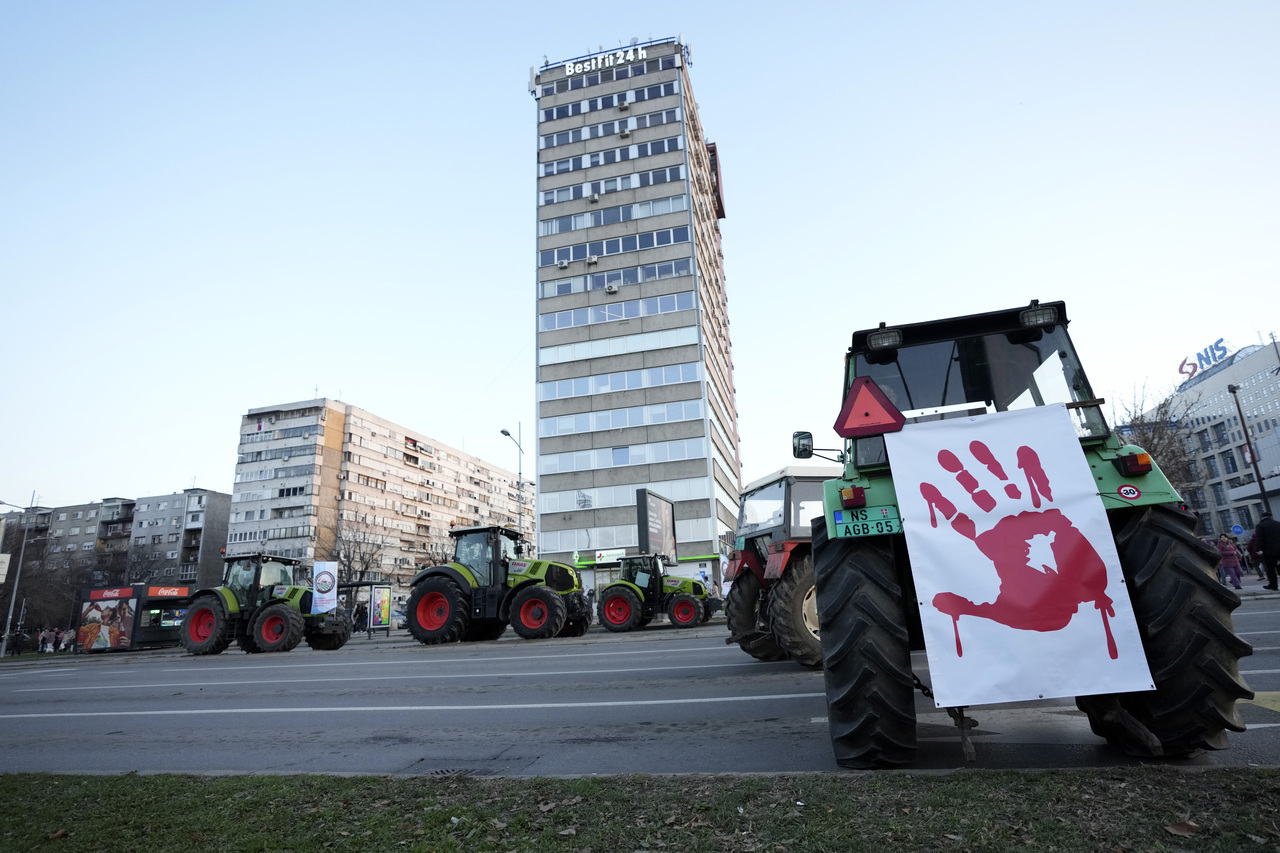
{"x":207,"y":207}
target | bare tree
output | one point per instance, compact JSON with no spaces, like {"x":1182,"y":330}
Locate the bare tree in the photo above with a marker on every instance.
{"x":1165,"y":431}
{"x":357,"y":546}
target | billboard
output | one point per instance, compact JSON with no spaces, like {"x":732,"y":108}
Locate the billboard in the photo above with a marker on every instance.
{"x":656,"y":524}
{"x":106,"y":620}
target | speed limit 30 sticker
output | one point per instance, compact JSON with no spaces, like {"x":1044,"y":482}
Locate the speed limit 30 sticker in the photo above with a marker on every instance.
{"x":1129,"y":493}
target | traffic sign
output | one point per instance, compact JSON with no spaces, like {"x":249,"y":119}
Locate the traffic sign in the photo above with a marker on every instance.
{"x":1237,"y":529}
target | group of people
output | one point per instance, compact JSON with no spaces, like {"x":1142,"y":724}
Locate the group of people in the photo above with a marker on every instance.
{"x":1263,"y":550}
{"x":47,"y":640}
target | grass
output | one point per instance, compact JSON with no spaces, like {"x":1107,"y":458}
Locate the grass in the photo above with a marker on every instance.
{"x":1117,"y":809}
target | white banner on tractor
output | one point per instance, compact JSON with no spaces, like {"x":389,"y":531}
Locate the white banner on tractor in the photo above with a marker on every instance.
{"x":1019,"y":586}
{"x":324,"y":587}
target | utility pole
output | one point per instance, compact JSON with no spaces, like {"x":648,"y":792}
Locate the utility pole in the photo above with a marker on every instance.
{"x":519,"y":477}
{"x":1253,"y":454}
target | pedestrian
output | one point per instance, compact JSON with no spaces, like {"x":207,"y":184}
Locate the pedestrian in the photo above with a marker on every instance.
{"x":16,"y":640}
{"x":1252,"y":548}
{"x":1267,"y":534}
{"x":1230,"y":559}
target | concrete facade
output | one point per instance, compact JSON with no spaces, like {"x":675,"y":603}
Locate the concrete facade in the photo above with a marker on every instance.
{"x":634,"y":367}
{"x":317,"y":477}
{"x":178,"y":537}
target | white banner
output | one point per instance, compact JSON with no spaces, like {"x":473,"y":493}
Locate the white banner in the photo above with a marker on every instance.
{"x":1017,"y":578}
{"x":324,"y":587}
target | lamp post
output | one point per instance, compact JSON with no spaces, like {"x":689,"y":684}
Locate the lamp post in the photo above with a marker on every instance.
{"x":519,"y":477}
{"x":1253,"y":454}
{"x":17,"y":576}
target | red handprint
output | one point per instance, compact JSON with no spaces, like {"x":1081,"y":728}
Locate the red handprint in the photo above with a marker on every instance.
{"x":1030,"y":599}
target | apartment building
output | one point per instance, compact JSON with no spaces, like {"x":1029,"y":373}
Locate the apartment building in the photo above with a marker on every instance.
{"x":179,"y":537}
{"x":634,"y":367}
{"x":324,"y":480}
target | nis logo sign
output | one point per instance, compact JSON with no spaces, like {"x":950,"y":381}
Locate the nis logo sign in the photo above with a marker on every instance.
{"x":1207,"y":357}
{"x":605,"y":60}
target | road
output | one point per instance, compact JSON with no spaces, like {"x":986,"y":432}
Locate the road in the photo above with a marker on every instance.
{"x":657,"y":701}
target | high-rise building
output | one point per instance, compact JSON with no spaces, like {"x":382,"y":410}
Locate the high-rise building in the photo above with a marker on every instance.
{"x":634,"y":369}
{"x":179,"y":537}
{"x":324,"y":480}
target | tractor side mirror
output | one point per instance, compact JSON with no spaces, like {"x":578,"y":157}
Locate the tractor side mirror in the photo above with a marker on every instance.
{"x":802,"y":445}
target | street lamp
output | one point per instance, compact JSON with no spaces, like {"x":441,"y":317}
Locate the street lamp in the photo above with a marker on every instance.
{"x":1253,"y":453}
{"x":17,"y":576}
{"x":519,"y":477}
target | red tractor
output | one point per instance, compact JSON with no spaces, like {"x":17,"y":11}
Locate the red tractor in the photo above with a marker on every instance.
{"x":771,"y":607}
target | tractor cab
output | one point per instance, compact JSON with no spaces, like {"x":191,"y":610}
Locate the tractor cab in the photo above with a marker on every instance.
{"x":645,"y":571}
{"x":781,"y":508}
{"x":487,"y":552}
{"x":253,"y":577}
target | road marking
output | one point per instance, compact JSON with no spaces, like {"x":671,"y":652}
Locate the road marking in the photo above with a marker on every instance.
{"x":1251,"y":633}
{"x":1242,"y":672}
{"x":274,"y":681}
{"x":432,"y":661}
{"x":370,"y":709}
{"x":1265,"y":699}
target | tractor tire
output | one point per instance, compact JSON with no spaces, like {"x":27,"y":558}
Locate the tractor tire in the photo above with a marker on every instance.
{"x":684,"y":611}
{"x":706,"y":613}
{"x":330,"y":642}
{"x":742,"y":611}
{"x":206,"y":629}
{"x":1184,"y":617}
{"x":537,"y":612}
{"x":484,"y":630}
{"x":247,"y":645}
{"x":793,"y":614}
{"x":277,"y":628}
{"x":575,"y":627}
{"x":866,"y":651}
{"x":619,"y":610}
{"x":438,"y":612}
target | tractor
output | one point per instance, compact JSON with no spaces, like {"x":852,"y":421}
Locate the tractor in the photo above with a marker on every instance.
{"x":643,"y":590}
{"x":771,"y":607}
{"x":263,"y":608}
{"x":488,"y":586}
{"x":958,"y":377}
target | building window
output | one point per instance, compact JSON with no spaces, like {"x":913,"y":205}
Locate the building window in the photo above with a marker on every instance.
{"x":611,"y":311}
{"x":626,"y":380}
{"x":610,"y":156}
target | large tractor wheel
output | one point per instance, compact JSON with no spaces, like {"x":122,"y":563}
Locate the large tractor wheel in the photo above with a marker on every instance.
{"x":537,"y":612}
{"x":866,"y":651}
{"x":247,"y":645}
{"x":205,"y":630}
{"x":322,"y":642}
{"x":793,"y":613}
{"x":438,"y":611}
{"x":277,"y":628}
{"x":742,"y":611}
{"x":484,"y":630}
{"x":620,"y":610}
{"x":1184,"y":617}
{"x":684,"y":611}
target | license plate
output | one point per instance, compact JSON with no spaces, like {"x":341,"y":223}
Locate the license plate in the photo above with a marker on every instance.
{"x":867,"y":521}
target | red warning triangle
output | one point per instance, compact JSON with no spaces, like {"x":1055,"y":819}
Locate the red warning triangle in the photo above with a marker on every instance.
{"x":867,"y":411}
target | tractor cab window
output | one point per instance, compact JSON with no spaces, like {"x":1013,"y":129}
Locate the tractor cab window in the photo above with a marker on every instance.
{"x":276,"y":574}
{"x":240,"y":578}
{"x":475,"y":551}
{"x":980,"y":374}
{"x":762,"y":509}
{"x":806,"y":505}
{"x":507,"y":553}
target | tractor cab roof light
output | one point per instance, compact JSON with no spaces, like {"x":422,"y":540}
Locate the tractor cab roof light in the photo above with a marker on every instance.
{"x":884,"y":338}
{"x":1037,"y":315}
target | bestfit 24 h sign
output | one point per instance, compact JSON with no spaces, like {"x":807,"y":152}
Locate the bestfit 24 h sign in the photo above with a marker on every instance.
{"x":605,"y":60}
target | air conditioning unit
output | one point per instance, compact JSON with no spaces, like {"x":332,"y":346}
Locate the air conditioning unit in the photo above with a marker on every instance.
{"x":595,"y":197}
{"x":592,"y":259}
{"x":624,"y":106}
{"x":624,"y":133}
{"x":611,"y":288}
{"x":564,"y":265}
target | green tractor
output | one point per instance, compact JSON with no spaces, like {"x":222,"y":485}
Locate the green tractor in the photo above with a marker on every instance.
{"x":262,"y":608}
{"x":905,"y":385}
{"x":643,"y":590}
{"x":487,"y":586}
